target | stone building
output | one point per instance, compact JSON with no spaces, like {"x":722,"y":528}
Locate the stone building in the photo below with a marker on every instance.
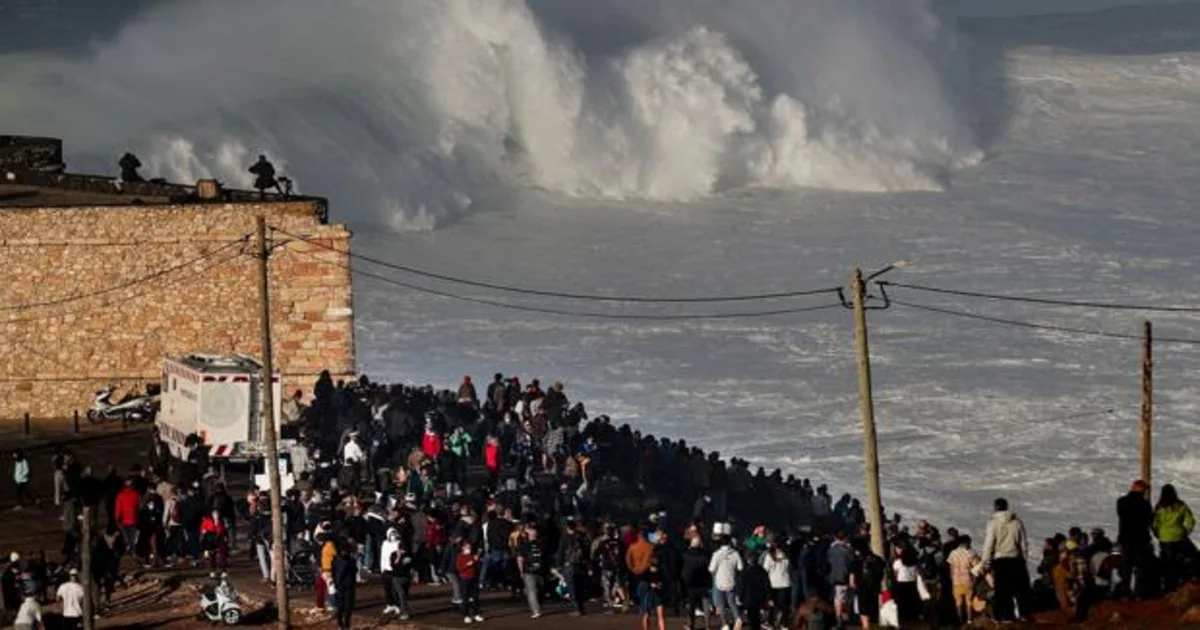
{"x":102,"y":279}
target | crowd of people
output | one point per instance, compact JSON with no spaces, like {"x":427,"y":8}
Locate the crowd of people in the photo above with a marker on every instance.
{"x":518,"y":491}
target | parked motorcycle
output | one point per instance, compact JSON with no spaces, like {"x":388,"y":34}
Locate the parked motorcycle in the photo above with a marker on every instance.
{"x":131,"y":407}
{"x":220,"y":604}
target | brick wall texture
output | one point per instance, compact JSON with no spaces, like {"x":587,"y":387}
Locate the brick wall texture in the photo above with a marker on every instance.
{"x":94,"y":295}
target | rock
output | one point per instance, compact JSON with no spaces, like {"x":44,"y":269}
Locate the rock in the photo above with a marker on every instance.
{"x":1186,"y":598}
{"x":1191,"y":615}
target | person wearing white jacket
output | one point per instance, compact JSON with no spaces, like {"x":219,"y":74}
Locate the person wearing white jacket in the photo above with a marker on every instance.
{"x":395,"y":565}
{"x":778,"y":568}
{"x":725,"y":566}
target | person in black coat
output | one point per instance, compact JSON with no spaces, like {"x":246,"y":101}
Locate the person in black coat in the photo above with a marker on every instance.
{"x":112,"y":485}
{"x":755,"y":590}
{"x":10,"y":582}
{"x":191,"y":513}
{"x":697,"y":581}
{"x":1134,"y":517}
{"x":345,"y":581}
{"x":669,"y":563}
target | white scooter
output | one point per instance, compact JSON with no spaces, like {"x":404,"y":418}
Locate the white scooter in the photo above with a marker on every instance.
{"x":220,"y":605}
{"x":133,"y":408}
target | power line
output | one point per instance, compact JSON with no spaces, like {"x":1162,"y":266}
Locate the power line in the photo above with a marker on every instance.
{"x":569,"y":313}
{"x":88,"y":309}
{"x":1048,"y":301}
{"x":1036,"y":326}
{"x":565,"y":295}
{"x":124,"y":285}
{"x":39,"y":244}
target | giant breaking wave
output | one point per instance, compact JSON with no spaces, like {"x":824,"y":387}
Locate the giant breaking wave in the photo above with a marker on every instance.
{"x":404,"y":111}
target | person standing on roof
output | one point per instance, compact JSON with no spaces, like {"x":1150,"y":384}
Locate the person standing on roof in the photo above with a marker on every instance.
{"x":264,"y":176}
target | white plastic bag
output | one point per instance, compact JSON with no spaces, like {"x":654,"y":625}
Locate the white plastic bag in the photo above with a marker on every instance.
{"x":923,"y":590}
{"x":889,"y":615}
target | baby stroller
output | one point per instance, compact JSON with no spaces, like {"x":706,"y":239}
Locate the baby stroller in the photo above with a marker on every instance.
{"x":301,"y":572}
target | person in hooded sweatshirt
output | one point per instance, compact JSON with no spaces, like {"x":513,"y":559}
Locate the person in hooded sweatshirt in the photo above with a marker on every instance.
{"x":778,"y":566}
{"x":1005,"y":549}
{"x":725,"y":566}
{"x":397,"y":574}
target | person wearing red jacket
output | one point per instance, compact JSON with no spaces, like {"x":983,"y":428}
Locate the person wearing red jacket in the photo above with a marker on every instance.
{"x":431,"y":443}
{"x":492,"y":457}
{"x":125,"y":514}
{"x":468,"y":565}
{"x":214,"y":540}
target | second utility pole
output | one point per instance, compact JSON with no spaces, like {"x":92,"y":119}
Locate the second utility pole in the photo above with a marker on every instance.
{"x":866,"y":406}
{"x":268,"y":412}
{"x":1147,"y":406}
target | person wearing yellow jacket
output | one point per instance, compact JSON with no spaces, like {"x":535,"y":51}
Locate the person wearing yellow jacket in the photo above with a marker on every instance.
{"x":328,"y":555}
{"x":1173,"y":524}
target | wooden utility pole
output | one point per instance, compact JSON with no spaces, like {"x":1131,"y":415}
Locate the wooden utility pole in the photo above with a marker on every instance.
{"x":85,"y":571}
{"x":866,"y":406}
{"x":269,"y":436}
{"x":1147,"y":403}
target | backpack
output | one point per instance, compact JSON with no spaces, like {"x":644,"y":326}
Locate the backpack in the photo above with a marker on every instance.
{"x":574,"y":555}
{"x":610,"y":554}
{"x":817,"y":621}
{"x":929,"y":567}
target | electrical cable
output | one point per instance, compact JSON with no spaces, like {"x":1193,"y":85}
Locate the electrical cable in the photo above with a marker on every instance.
{"x":1047,"y":301}
{"x":125,"y":285}
{"x":1036,"y":326}
{"x":567,"y":313}
{"x":565,"y":295}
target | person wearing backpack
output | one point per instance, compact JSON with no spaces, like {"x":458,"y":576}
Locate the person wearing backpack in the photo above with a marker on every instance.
{"x":929,"y":566}
{"x":609,"y":557}
{"x":572,"y":557}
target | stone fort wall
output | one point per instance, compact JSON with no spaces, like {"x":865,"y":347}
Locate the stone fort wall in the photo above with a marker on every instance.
{"x":93,"y":295}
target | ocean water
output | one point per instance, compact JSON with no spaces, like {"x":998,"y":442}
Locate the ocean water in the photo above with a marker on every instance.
{"x":676,"y":148}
